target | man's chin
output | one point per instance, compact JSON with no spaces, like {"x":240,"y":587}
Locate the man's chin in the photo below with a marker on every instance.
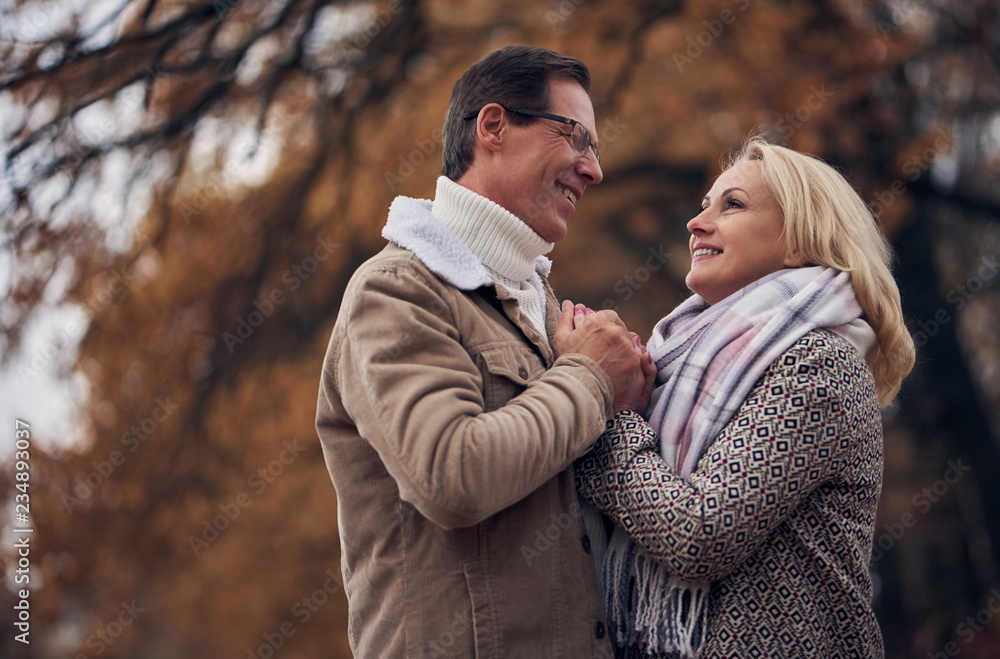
{"x":556,"y":231}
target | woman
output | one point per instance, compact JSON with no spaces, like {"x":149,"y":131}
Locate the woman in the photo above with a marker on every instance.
{"x":744,"y":508}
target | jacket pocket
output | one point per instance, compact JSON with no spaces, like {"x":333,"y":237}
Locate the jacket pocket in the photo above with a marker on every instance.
{"x":507,"y":370}
{"x":484,"y":623}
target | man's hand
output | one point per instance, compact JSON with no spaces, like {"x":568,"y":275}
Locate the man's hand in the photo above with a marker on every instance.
{"x":603,"y":337}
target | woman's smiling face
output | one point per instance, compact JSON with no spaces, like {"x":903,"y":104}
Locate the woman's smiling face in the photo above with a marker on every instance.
{"x":737,"y":237}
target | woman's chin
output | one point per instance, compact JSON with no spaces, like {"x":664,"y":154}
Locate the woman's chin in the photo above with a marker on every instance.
{"x":696,"y":286}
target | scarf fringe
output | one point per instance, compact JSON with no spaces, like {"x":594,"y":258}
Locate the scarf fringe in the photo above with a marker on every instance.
{"x":658,"y":611}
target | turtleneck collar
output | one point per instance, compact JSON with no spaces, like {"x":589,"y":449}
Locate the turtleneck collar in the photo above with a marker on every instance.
{"x":504,"y":243}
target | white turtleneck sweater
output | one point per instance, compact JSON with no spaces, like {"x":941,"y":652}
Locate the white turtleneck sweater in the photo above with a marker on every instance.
{"x":506,"y":245}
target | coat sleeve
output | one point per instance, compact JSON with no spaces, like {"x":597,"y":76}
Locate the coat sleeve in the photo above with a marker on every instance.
{"x":416,"y":395}
{"x":793,"y":434}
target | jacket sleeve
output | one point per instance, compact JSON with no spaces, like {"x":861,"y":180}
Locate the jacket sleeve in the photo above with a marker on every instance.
{"x":416,"y":395}
{"x":793,"y":434}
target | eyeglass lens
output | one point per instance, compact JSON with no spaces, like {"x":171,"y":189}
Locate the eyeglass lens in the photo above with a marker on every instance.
{"x":581,"y":141}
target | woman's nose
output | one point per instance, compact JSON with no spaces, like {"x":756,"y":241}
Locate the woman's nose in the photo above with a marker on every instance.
{"x":700,"y":223}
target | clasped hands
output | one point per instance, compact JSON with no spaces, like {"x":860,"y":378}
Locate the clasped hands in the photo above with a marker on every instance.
{"x":603,"y":337}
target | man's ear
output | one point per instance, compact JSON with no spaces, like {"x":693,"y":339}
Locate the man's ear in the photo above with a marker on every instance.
{"x":491,"y":126}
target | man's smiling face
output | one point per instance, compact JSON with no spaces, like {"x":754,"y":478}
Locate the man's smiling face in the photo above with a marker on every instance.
{"x":542,"y":177}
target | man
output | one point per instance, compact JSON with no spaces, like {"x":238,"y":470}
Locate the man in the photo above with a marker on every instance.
{"x":448,"y":421}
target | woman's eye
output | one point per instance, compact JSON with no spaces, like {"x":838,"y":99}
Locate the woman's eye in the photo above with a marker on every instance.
{"x":733,"y":203}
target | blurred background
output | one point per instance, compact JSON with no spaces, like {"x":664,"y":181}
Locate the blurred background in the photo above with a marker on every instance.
{"x":187,"y":187}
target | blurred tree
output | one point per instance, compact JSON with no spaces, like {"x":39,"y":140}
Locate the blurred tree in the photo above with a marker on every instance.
{"x":210,"y":174}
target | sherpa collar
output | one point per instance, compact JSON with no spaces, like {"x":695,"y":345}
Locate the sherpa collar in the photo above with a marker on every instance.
{"x":412,"y":226}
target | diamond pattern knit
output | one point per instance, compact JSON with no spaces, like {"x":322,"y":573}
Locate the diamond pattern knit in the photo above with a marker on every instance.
{"x":779,"y":513}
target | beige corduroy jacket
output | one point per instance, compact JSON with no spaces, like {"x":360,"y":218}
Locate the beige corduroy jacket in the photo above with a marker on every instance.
{"x":450,"y":429}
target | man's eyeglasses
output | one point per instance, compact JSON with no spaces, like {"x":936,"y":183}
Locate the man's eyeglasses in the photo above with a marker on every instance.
{"x":579,"y":138}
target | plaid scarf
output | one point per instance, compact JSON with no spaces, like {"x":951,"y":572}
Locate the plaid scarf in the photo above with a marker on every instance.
{"x":708,"y":359}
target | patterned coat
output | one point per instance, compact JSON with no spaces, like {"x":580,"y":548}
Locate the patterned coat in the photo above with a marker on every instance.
{"x":778,"y":514}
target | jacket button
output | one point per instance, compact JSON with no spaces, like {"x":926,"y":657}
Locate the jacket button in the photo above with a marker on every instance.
{"x":599,"y":629}
{"x":586,"y":543}
{"x":522,"y":371}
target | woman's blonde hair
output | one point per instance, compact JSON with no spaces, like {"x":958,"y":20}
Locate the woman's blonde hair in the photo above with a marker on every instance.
{"x":827,"y":223}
